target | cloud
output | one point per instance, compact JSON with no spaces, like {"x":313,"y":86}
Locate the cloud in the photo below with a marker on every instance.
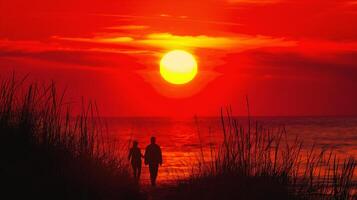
{"x":253,"y":1}
{"x":171,"y":41}
{"x":241,"y":42}
{"x":352,"y":3}
{"x":67,"y":54}
{"x":28,"y":45}
{"x":113,"y":40}
{"x":129,"y":27}
{"x":111,"y":50}
{"x":339,"y":65}
{"x":67,"y":57}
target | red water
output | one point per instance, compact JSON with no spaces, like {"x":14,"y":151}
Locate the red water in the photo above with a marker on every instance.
{"x":181,"y":140}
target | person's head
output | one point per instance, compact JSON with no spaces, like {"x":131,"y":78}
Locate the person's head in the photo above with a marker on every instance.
{"x":153,"y":140}
{"x":135,"y":143}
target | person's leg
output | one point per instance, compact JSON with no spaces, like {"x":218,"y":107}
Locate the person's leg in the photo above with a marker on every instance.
{"x":155,"y":171}
{"x":151,"y":170}
{"x":134,"y":171}
{"x":139,"y":172}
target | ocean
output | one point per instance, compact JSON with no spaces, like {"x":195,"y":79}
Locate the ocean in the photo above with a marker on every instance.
{"x":182,"y":139}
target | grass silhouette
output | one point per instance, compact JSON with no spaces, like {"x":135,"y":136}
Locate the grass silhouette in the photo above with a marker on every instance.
{"x":256,"y":163}
{"x":45,"y":153}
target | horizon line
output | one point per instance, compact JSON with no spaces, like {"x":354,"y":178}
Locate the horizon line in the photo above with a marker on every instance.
{"x":238,"y":116}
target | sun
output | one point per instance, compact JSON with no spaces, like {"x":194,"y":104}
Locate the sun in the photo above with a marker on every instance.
{"x":178,"y":67}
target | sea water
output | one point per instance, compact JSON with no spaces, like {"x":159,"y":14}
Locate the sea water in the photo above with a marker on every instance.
{"x":181,"y":140}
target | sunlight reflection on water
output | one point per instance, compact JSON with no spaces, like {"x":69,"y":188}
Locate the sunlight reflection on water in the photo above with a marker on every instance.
{"x":180,"y":141}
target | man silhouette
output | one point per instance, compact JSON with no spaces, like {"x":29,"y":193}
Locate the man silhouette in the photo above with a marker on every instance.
{"x":153,"y":158}
{"x":135,"y":158}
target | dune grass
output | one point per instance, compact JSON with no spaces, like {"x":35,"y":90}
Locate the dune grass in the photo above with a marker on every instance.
{"x":257,"y":163}
{"x":46,"y":153}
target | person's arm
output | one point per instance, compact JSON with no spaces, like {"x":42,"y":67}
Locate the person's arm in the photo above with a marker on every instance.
{"x":130,"y":154}
{"x":160,"y":156}
{"x":146,"y":156}
{"x":141,"y":155}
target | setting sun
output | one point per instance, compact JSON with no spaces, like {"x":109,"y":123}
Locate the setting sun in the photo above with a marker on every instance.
{"x":178,"y":67}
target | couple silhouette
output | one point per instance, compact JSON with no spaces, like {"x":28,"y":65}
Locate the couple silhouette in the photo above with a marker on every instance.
{"x":152,"y":157}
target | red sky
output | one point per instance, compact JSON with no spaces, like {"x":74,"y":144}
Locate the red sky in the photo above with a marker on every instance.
{"x":291,"y":57}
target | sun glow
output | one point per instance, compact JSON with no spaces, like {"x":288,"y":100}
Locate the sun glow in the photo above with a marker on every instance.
{"x":178,"y":67}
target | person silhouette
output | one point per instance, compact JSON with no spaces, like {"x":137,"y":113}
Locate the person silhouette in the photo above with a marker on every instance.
{"x":135,"y":158}
{"x":153,"y":158}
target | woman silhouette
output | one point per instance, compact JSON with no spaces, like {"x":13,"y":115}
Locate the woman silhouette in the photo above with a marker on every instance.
{"x":135,"y":158}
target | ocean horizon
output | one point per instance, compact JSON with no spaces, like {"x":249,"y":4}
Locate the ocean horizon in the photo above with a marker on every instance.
{"x":181,"y":139}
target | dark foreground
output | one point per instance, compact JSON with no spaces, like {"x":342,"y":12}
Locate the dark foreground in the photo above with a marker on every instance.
{"x":46,"y":154}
